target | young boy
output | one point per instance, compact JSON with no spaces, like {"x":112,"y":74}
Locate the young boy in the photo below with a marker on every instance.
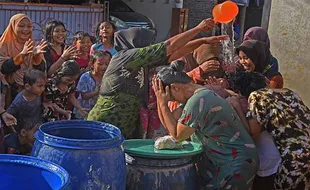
{"x":22,"y":141}
{"x":27,"y":104}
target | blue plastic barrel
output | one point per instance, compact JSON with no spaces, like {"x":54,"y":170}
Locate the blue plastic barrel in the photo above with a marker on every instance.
{"x":161,"y":174}
{"x":90,"y":151}
{"x":26,"y":172}
{"x":153,"y":169}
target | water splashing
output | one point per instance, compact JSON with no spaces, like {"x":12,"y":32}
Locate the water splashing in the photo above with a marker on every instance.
{"x":229,"y":44}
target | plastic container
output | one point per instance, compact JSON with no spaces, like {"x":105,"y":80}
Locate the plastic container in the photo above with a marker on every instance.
{"x":90,"y":151}
{"x":26,"y":172}
{"x":149,"y":168}
{"x":225,"y":12}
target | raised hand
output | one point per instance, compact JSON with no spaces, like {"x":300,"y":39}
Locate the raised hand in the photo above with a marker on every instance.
{"x":69,"y":52}
{"x":39,"y":48}
{"x":162,"y":94}
{"x":215,"y":39}
{"x":209,"y":66}
{"x":206,"y":25}
{"x":28,"y":47}
{"x":9,"y":119}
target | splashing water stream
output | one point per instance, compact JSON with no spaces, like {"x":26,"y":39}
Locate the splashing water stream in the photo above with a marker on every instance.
{"x":228,"y":46}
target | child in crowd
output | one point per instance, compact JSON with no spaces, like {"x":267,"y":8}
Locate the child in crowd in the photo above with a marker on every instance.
{"x":22,"y":141}
{"x":27,"y":105}
{"x":61,"y":88}
{"x":56,"y":52}
{"x":105,"y":34}
{"x":89,"y":83}
{"x":83,"y":43}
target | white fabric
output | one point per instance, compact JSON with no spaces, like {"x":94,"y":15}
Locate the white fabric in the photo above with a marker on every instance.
{"x":269,"y":155}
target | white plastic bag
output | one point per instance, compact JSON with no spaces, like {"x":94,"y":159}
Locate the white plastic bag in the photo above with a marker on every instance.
{"x":167,"y":142}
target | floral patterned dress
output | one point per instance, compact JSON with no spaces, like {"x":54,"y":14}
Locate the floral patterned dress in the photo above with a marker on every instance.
{"x":60,"y":98}
{"x":230,"y":159}
{"x":287,"y":119}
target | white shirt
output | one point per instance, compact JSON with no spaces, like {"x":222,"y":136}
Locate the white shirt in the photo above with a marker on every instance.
{"x":269,"y":155}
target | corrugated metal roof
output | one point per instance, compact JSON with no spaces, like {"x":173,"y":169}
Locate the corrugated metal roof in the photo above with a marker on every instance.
{"x":76,"y":18}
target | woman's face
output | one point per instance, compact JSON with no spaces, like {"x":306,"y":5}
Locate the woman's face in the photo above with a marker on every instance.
{"x":246,"y":62}
{"x":24,"y":30}
{"x":106,"y":30}
{"x":101,"y":65}
{"x":177,"y":92}
{"x":59,"y":34}
{"x":84,"y":44}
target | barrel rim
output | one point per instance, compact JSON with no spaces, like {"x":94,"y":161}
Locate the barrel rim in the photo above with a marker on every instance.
{"x":39,"y":163}
{"x":42,"y":135}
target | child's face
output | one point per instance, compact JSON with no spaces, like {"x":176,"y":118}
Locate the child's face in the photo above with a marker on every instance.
{"x":101,"y":65}
{"x":29,"y":134}
{"x":246,"y":62}
{"x":84,"y":45}
{"x":106,"y":30}
{"x":59,"y":34}
{"x":69,"y":80}
{"x":38,"y":87}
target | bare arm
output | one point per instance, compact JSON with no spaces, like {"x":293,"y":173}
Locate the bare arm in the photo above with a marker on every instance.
{"x":177,"y":130}
{"x":61,"y":111}
{"x":160,"y":115}
{"x":67,"y":53}
{"x":76,"y":104}
{"x":168,"y":119}
{"x":55,"y":66}
{"x":192,"y":45}
{"x":74,"y":101}
{"x":182,"y":39}
{"x":177,"y":113}
{"x":188,"y":48}
{"x":243,"y":119}
{"x":255,"y":128}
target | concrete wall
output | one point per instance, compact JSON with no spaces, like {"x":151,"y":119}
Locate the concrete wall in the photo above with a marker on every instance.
{"x":289,"y":28}
{"x":160,"y":11}
{"x":198,"y":10}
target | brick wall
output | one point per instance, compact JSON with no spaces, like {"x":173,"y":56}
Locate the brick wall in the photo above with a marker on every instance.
{"x":198,"y":10}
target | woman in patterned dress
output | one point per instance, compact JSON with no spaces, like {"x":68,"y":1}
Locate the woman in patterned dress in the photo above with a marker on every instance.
{"x":124,"y":82}
{"x":230,"y":159}
{"x":282,"y":113}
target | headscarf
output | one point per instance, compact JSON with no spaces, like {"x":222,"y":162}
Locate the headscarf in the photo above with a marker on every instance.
{"x":207,"y":52}
{"x":260,"y":34}
{"x":133,"y":38}
{"x":259,"y":53}
{"x":10,"y":47}
{"x":257,"y":33}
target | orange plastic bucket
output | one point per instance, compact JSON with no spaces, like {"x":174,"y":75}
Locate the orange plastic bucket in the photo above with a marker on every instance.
{"x":225,"y":12}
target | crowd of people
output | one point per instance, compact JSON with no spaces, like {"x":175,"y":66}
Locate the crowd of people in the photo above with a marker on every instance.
{"x":255,"y":133}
